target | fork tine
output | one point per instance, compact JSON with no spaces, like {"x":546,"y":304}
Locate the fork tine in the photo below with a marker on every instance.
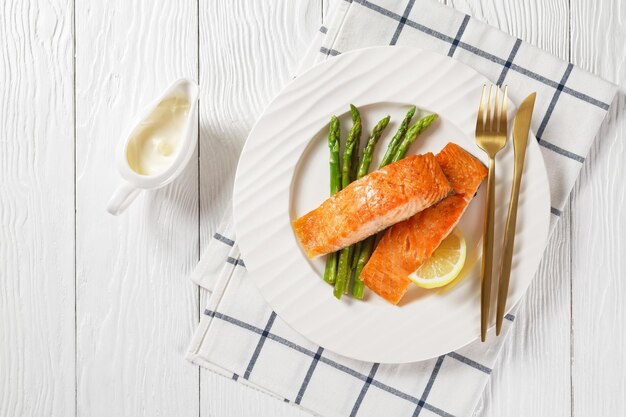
{"x":503,"y":121}
{"x":480,"y":120}
{"x":496,"y":111}
{"x":489,"y":111}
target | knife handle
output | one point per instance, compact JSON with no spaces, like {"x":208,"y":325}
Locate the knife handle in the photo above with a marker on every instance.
{"x":509,"y":243}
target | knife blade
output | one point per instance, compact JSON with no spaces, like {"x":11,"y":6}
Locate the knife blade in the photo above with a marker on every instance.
{"x":521,"y":127}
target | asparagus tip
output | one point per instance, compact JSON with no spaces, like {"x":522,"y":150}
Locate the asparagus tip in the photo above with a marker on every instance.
{"x":355,"y":112}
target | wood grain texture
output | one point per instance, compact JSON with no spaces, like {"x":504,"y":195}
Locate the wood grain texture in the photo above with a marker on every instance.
{"x":599,"y":265}
{"x":248,"y":51}
{"x":532,"y":376}
{"x":36,"y":209}
{"x":136,"y":308}
{"x":327,"y":7}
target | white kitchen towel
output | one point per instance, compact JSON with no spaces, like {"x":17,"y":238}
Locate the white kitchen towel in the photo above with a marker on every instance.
{"x":240,"y":336}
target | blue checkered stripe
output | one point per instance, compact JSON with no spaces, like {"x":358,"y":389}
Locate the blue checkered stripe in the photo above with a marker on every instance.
{"x":431,"y":387}
{"x":317,"y":358}
{"x":499,"y":66}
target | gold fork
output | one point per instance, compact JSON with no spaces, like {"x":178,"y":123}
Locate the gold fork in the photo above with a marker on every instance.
{"x":491,"y":133}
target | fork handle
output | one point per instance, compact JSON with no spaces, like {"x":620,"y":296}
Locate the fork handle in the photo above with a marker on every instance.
{"x":487,"y":261}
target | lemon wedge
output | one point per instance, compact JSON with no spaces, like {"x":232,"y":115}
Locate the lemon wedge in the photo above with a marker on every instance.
{"x":444,"y":265}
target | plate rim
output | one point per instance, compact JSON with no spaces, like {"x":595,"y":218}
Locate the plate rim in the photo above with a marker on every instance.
{"x":512,"y":302}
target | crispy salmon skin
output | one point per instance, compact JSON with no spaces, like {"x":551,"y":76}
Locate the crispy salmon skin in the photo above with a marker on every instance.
{"x":371,"y":204}
{"x":408,"y":244}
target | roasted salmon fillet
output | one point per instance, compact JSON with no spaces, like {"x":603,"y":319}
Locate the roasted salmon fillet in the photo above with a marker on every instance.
{"x":372,"y":203}
{"x":407,"y":245}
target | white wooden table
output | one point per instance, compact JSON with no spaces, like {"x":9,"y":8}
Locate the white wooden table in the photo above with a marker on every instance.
{"x":96,"y":311}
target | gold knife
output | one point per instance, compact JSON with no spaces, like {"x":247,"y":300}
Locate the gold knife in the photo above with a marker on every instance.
{"x":521,"y":126}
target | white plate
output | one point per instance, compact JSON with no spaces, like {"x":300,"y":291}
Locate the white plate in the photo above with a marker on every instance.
{"x":283,"y":173}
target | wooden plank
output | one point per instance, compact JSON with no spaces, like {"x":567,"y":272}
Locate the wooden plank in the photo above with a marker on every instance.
{"x":532,"y":376}
{"x":36,"y":208}
{"x":327,"y":7}
{"x":248,"y":51}
{"x":598,"y":262}
{"x":136,"y":308}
